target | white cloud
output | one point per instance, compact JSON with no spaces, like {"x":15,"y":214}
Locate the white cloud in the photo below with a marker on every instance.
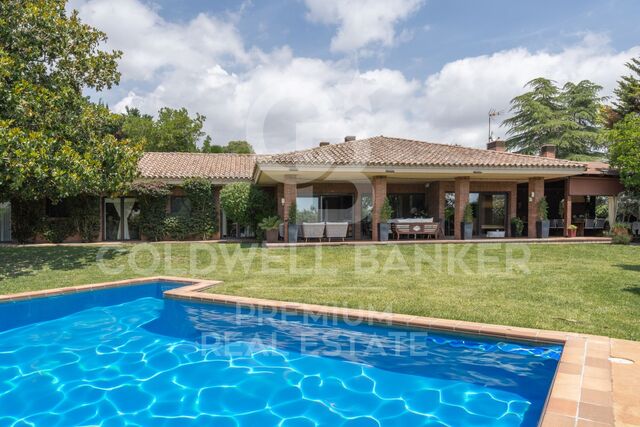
{"x":152,"y":45}
{"x":278,"y":101}
{"x":362,"y":22}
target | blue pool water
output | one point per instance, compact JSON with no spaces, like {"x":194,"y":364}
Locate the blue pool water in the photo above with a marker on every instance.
{"x":126,"y":356}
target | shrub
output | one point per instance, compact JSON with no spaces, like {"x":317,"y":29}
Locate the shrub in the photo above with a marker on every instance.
{"x":293,"y":213}
{"x":518,"y":224}
{"x":246,"y":204}
{"x":386,"y":211}
{"x":543,"y":209}
{"x":621,"y":239}
{"x":234,"y":200}
{"x":270,"y":223}
{"x":56,"y":230}
{"x":602,"y":211}
{"x":202,"y":218}
{"x":152,"y":197}
{"x":175,"y":227}
{"x":84,"y":214}
{"x":27,"y":217}
{"x":467,"y":217}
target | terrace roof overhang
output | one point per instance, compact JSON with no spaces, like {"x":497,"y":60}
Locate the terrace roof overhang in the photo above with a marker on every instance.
{"x":266,"y":173}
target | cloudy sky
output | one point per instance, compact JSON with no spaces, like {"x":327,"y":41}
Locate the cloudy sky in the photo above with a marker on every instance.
{"x":286,"y":74}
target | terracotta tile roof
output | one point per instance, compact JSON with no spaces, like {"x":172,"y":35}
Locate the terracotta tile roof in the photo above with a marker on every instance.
{"x":191,"y":165}
{"x":385,"y":151}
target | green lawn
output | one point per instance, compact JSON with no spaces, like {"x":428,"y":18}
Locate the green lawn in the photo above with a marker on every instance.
{"x":584,"y":288}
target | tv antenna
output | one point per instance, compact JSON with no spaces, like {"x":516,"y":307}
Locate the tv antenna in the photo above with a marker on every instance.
{"x":492,"y":113}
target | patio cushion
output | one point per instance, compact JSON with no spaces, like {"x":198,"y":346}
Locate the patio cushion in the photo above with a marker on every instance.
{"x":313,"y":230}
{"x":336,"y":229}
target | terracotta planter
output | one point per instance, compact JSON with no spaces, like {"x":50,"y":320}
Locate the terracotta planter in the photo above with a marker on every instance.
{"x":571,"y":232}
{"x":272,"y":235}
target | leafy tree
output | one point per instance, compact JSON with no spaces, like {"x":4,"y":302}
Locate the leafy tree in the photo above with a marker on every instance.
{"x":173,"y":130}
{"x":54,"y":142}
{"x":624,"y":150}
{"x":240,"y":147}
{"x":208,"y":147}
{"x":566,"y":118}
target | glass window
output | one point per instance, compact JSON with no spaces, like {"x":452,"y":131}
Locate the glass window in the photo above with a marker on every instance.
{"x":408,"y":205}
{"x":308,"y":209}
{"x":180,"y":205}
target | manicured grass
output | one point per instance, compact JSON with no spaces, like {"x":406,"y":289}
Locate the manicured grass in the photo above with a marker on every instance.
{"x":583,"y":288}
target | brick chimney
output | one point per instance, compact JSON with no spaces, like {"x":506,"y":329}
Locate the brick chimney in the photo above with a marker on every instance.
{"x":548,"y":151}
{"x":497,"y":145}
{"x":324,"y":143}
{"x":349,"y":138}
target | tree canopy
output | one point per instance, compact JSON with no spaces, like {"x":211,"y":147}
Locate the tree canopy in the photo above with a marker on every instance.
{"x":239,"y":147}
{"x":173,"y":130}
{"x":54,"y":142}
{"x":623,"y":119}
{"x":566,"y":117}
{"x":628,"y":91}
{"x":625,"y":149}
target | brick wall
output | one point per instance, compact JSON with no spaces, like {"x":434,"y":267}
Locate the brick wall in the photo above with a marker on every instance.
{"x":379,"y":194}
{"x":461,"y":188}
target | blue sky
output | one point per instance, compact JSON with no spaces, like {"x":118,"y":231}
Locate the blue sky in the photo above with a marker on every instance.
{"x":441,"y":31}
{"x":285,"y":74}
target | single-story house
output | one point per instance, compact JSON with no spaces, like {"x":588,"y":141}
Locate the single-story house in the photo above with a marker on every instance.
{"x":349,"y":182}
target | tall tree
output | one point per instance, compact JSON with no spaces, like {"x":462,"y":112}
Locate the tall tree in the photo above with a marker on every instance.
{"x":628,"y":91}
{"x":566,"y":118}
{"x":54,"y":142}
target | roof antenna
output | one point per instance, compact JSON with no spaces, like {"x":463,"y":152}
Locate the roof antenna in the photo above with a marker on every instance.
{"x":492,"y":113}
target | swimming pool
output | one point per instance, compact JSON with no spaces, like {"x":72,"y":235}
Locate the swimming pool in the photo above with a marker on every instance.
{"x":125,"y":355}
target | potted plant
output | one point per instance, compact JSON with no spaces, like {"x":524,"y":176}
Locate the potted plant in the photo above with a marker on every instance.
{"x":620,"y":229}
{"x":467,"y":222}
{"x":572,"y":230}
{"x":270,"y":226}
{"x":542,"y":224}
{"x":517,"y":226}
{"x":292,"y":227}
{"x":386,"y":211}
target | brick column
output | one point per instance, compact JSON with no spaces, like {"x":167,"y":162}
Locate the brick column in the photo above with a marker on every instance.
{"x":462,"y":198}
{"x":290,"y":193}
{"x":379,"y":195}
{"x":567,"y":207}
{"x":536,"y":187}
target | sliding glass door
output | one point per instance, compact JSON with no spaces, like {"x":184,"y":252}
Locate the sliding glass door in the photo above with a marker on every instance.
{"x":490,"y":213}
{"x":120,"y":219}
{"x":329,"y":208}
